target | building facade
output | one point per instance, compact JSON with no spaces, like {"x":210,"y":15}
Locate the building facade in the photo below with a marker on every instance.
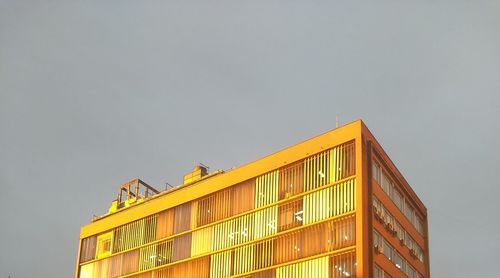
{"x":331,"y":206}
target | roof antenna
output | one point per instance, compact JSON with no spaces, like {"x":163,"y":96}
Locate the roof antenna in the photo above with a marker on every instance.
{"x":168,"y":186}
{"x":336,"y":120}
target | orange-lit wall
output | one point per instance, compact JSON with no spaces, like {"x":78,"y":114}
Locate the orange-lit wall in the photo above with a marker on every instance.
{"x":305,"y":209}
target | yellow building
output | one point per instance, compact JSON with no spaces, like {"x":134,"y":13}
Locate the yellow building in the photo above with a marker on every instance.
{"x":331,"y":206}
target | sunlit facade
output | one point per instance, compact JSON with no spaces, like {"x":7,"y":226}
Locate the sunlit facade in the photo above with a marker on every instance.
{"x":331,"y":206}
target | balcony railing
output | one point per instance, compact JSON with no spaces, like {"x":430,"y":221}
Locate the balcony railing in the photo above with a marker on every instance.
{"x":133,"y":191}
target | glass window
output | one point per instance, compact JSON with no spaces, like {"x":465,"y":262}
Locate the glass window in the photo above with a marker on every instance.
{"x":376,"y":171}
{"x":377,"y":272}
{"x":348,"y":163}
{"x":214,"y":207}
{"x":88,"y":247}
{"x":400,"y":231}
{"x":388,"y":218}
{"x":134,"y":233}
{"x":191,"y":268}
{"x":242,"y":197}
{"x":264,"y":255}
{"x":182,"y":218}
{"x":181,"y":247}
{"x":409,"y":211}
{"x":376,"y":203}
{"x":343,"y":265}
{"x":410,"y":242}
{"x":419,"y":224}
{"x":291,"y":181}
{"x":410,"y":271}
{"x":289,"y":247}
{"x":290,"y":215}
{"x":387,"y":250}
{"x":376,"y":240}
{"x":266,"y":189}
{"x":104,"y":244}
{"x":398,"y":261}
{"x":164,"y":225}
{"x":318,"y":170}
{"x":420,"y":253}
{"x":386,"y":184}
{"x":398,"y":199}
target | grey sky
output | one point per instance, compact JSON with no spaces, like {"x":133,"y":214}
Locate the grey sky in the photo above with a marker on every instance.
{"x":95,"y":93}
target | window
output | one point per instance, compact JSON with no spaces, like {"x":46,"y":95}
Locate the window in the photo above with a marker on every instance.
{"x":403,"y":236}
{"x":398,"y":199}
{"x":318,"y":170}
{"x":214,"y":207}
{"x":181,"y":247}
{"x":410,"y":242}
{"x":220,"y":265}
{"x":398,"y":261}
{"x":266,"y":189}
{"x":201,"y":242}
{"x":87,"y":271}
{"x":291,"y":180}
{"x":225,"y":203}
{"x":329,"y":166}
{"x":232,"y":232}
{"x":411,"y":272}
{"x":388,"y":250}
{"x":343,"y":265}
{"x":193,"y":268}
{"x":394,"y":256}
{"x":155,"y":255}
{"x":264,"y":254}
{"x":130,"y":262}
{"x":310,"y":268}
{"x":290,"y":215}
{"x":243,"y":196}
{"x":400,"y":231}
{"x":135,"y":233}
{"x":376,"y":204}
{"x":87,"y":252}
{"x":289,"y":247}
{"x":419,"y":253}
{"x":409,"y":211}
{"x":182,"y":219}
{"x":376,"y":171}
{"x":348,"y":160}
{"x":386,"y":184}
{"x":334,"y":200}
{"x":391,"y":189}
{"x":377,"y":240}
{"x":104,"y":244}
{"x":419,"y":224}
{"x":340,"y":233}
{"x":242,"y":259}
{"x":379,"y":273}
{"x":388,"y":218}
{"x":271,"y":273}
{"x":266,"y":222}
{"x":164,"y":224}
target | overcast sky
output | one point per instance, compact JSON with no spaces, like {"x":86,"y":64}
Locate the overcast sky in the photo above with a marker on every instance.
{"x":95,"y":93}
